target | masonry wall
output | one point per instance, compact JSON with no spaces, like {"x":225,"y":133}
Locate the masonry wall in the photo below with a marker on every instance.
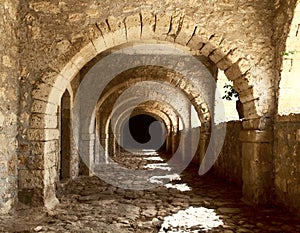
{"x":229,"y":163}
{"x":52,"y":32}
{"x":9,"y":94}
{"x":287,"y":161}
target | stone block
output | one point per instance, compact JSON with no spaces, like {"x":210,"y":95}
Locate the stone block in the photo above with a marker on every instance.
{"x":256,"y":136}
{"x":199,"y":39}
{"x":54,"y":79}
{"x":257,"y":172}
{"x":69,"y":71}
{"x":39,"y":106}
{"x":106,"y":33}
{"x":50,"y":175}
{"x":44,"y":147}
{"x":43,"y":134}
{"x":41,"y":92}
{"x":148,"y":25}
{"x":162,"y":26}
{"x":247,"y":95}
{"x":250,"y":109}
{"x":118,"y":29}
{"x":39,"y":121}
{"x":187,"y":30}
{"x":133,"y":27}
{"x":176,"y":24}
{"x":231,"y":58}
{"x":99,"y":44}
{"x":257,"y":124}
{"x":31,"y":179}
{"x":207,"y":49}
{"x":238,"y":69}
{"x":87,"y":53}
{"x":242,"y":83}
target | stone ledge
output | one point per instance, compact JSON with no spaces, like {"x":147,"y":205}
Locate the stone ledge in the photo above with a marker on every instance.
{"x":258,"y":124}
{"x":289,"y":118}
{"x":256,"y":136}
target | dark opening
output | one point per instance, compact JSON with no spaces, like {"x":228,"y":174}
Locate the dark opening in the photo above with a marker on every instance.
{"x":65,"y":153}
{"x":145,"y":132}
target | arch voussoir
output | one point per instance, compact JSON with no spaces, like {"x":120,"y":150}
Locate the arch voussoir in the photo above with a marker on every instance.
{"x":133,"y":26}
{"x":148,"y":25}
{"x":117,"y":27}
{"x":186,"y":32}
{"x":238,"y":69}
{"x":162,"y":26}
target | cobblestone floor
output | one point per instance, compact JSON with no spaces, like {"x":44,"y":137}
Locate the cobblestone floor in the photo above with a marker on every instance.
{"x":188,"y":204}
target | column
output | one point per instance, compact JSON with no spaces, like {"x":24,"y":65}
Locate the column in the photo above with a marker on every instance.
{"x":257,"y":159}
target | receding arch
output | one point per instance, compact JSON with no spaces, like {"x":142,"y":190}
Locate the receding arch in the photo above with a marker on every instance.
{"x":46,"y":97}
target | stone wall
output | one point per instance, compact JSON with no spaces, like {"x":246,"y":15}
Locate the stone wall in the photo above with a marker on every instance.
{"x":289,"y":56}
{"x":287,"y":161}
{"x":229,"y":163}
{"x":57,"y":38}
{"x":9,"y":94}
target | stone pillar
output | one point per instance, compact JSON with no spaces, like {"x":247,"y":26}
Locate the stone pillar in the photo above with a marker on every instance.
{"x":117,"y":142}
{"x":86,"y":150}
{"x":169,"y":143}
{"x":38,"y":176}
{"x":111,"y":144}
{"x":9,"y":100}
{"x":97,"y":150}
{"x":203,"y":144}
{"x":174,"y":142}
{"x":257,"y":144}
{"x":104,"y":153}
{"x":187,"y":135}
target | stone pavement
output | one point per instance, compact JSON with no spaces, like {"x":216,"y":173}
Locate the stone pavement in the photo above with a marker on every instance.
{"x":186,"y":204}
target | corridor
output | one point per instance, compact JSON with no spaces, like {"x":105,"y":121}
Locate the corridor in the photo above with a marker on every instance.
{"x":187,"y":203}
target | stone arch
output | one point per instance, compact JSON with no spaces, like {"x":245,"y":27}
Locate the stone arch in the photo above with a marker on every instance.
{"x":115,"y":31}
{"x":158,"y":74}
{"x":106,"y":135}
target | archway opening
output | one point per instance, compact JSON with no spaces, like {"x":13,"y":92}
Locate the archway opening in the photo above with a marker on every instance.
{"x":143,"y":132}
{"x":65,"y":139}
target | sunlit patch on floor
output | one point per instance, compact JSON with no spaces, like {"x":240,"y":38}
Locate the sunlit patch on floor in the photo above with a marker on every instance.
{"x":162,"y":166}
{"x":158,"y":179}
{"x":149,"y":152}
{"x":154,"y":158}
{"x":180,"y":187}
{"x":191,"y":220}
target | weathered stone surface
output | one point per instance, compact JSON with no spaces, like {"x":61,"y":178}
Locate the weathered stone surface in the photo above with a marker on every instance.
{"x":9,"y":99}
{"x":228,"y":164}
{"x":256,"y":136}
{"x":286,"y":162}
{"x":45,"y":44}
{"x":89,"y":204}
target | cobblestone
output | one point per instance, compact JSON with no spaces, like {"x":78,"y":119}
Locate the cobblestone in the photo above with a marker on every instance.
{"x":88,"y":204}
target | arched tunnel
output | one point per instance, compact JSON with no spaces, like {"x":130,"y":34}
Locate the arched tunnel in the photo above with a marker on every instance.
{"x":143,"y":129}
{"x":149,"y":116}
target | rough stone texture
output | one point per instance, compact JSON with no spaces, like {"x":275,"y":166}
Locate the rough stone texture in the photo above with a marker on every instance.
{"x":229,"y":163}
{"x":57,"y":36}
{"x":191,"y":204}
{"x":284,"y":13}
{"x":290,"y":53}
{"x":9,"y":94}
{"x":286,"y":161}
{"x":56,"y":39}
